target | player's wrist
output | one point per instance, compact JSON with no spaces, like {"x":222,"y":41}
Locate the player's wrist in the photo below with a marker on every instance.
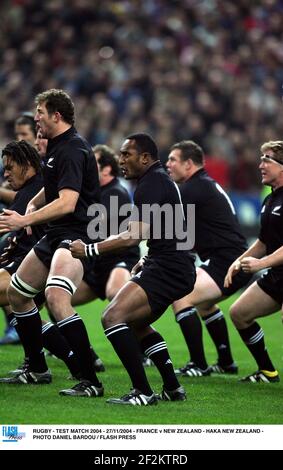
{"x":91,"y":250}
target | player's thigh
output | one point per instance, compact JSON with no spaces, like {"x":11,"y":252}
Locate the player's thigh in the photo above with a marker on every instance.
{"x":4,"y":284}
{"x":83,"y":294}
{"x":254,"y":303}
{"x":117,"y":279}
{"x":205,"y":290}
{"x":32,"y":271}
{"x":129,"y":305}
{"x":63,"y":264}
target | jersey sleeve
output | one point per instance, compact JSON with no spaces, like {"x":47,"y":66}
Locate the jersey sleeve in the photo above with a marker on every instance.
{"x":70,"y":169}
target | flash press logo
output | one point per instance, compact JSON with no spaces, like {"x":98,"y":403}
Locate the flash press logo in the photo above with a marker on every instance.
{"x":12,"y":434}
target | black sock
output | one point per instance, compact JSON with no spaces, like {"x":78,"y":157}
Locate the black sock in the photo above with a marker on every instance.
{"x":93,"y":354}
{"x":56,"y":343}
{"x":29,"y":328}
{"x":39,"y":300}
{"x":253,"y":337}
{"x":127,"y":348}
{"x":154,"y":347}
{"x":217,"y":328}
{"x":13,"y":322}
{"x":6,"y":315}
{"x":74,"y":330}
{"x":191,"y":327}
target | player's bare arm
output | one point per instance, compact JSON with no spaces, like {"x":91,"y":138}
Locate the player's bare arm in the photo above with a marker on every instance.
{"x":136,"y":232}
{"x":64,"y":204}
{"x":256,"y":250}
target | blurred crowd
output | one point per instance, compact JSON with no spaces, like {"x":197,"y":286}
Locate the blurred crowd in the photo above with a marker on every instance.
{"x":207,"y":70}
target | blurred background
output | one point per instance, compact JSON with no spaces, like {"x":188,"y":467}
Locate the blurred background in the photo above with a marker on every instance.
{"x":206,"y":70}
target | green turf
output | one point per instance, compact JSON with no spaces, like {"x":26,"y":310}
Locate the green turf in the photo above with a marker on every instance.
{"x":211,"y":400}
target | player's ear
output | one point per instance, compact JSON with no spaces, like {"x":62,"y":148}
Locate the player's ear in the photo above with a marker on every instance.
{"x":57,"y":116}
{"x":145,"y":158}
{"x":106,"y":171}
{"x":189,"y":162}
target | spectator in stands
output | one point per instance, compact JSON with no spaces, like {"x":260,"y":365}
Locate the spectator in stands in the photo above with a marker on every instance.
{"x":184,"y":70}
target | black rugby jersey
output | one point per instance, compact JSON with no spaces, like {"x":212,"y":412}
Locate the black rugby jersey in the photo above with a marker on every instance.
{"x":70,"y":164}
{"x":113,"y":196}
{"x":271,"y":231}
{"x":156,"y":187}
{"x":26,"y":242}
{"x":216,"y":224}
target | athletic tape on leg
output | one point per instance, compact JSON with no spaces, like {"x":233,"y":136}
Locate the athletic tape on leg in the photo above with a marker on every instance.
{"x":22,"y":287}
{"x":61,"y":282}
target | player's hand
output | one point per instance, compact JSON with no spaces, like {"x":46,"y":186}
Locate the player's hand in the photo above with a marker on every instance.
{"x":138,"y":267}
{"x":8,"y":251}
{"x":30,"y":208}
{"x":251,"y":265}
{"x":234,"y":269}
{"x":77,"y":248}
{"x":11,"y":221}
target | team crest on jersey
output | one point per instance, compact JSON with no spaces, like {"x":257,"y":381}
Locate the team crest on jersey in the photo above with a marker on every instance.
{"x":275,"y":210}
{"x":50,"y":160}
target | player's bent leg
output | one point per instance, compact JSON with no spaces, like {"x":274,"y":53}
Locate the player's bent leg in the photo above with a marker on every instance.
{"x":64,"y":277}
{"x":4,"y":284}
{"x":252,"y":304}
{"x":188,"y":319}
{"x":217,"y":328}
{"x":117,"y":279}
{"x":10,"y":334}
{"x":25,"y":284}
{"x":155,"y":348}
{"x":83,"y":295}
{"x":129,"y":305}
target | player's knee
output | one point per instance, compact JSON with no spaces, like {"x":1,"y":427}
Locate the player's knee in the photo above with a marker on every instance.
{"x":14,"y":296}
{"x":111,"y":292}
{"x":236,"y":315}
{"x":58,"y":292}
{"x":53,"y":299}
{"x":19,"y":292}
{"x":112,"y":316}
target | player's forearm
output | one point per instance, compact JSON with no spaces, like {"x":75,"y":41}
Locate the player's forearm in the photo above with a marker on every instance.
{"x":256,"y":250}
{"x":7,"y":195}
{"x":52,"y":211}
{"x":113,"y":243}
{"x":38,"y":200}
{"x":272,"y":260}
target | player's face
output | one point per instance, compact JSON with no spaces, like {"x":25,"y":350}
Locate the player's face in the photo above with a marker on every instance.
{"x":176,"y":167}
{"x":24,"y":132}
{"x":46,"y":124}
{"x":270,"y":169}
{"x":14,"y":173}
{"x":40,"y":144}
{"x":130,"y":160}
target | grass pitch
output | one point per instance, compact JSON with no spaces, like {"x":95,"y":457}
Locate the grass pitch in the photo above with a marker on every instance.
{"x":211,"y":400}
